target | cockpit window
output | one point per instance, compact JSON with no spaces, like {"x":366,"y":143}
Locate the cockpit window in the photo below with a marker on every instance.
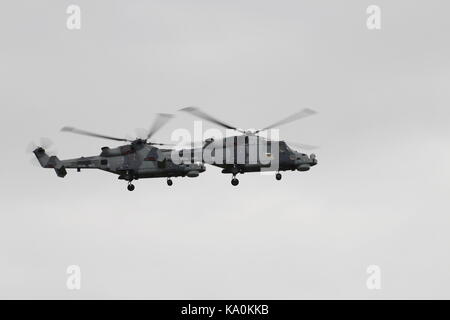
{"x":283,"y":146}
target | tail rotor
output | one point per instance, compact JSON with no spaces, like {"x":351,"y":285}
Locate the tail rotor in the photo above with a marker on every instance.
{"x":44,"y":145}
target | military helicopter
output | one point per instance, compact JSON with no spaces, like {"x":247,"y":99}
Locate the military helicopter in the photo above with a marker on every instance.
{"x":287,"y":158}
{"x":136,"y":160}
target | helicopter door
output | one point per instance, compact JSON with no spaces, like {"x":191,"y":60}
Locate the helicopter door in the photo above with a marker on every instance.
{"x":131,"y":161}
{"x":246,"y":150}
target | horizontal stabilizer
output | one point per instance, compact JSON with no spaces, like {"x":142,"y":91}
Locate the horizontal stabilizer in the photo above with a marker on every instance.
{"x":47,"y":161}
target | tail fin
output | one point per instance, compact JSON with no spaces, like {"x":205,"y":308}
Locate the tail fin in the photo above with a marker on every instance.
{"x":50,"y":162}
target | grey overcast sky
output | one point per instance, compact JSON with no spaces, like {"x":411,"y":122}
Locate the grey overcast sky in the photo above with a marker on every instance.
{"x":379,"y":195}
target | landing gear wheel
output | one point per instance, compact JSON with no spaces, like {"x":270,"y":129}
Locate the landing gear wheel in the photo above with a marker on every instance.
{"x":130,"y":187}
{"x":169,"y":182}
{"x":234,"y":181}
{"x":278,"y":176}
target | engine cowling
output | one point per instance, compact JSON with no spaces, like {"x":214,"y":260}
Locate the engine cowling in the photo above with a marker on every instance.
{"x":108,"y":152}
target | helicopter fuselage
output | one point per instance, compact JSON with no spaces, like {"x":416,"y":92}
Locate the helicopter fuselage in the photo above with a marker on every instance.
{"x":129,"y":162}
{"x":245,"y":155}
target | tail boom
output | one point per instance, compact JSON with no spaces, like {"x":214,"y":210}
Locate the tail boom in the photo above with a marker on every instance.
{"x":47,"y":161}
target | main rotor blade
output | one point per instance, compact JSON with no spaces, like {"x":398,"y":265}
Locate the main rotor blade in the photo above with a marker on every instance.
{"x":161,"y":120}
{"x":92,"y":134}
{"x":197,"y":112}
{"x":296,"y":116}
{"x":43,"y":143}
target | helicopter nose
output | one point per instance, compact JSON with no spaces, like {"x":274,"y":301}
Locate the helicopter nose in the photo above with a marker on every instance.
{"x":201,"y":166}
{"x":312,"y":156}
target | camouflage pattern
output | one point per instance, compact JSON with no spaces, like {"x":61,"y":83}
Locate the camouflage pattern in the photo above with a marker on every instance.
{"x":141,"y":159}
{"x":284,"y":158}
{"x":131,"y":162}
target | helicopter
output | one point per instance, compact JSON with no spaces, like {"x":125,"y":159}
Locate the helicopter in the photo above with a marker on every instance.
{"x":138,"y":159}
{"x":241,"y":146}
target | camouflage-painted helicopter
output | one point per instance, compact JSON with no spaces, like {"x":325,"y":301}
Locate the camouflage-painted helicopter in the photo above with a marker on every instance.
{"x":287,"y":158}
{"x":136,"y":160}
